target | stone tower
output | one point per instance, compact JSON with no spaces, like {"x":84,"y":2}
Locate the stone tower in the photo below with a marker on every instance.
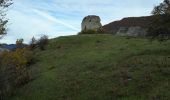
{"x":91,"y":22}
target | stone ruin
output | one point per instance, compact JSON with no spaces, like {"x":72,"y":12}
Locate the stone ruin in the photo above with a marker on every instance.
{"x":91,"y":22}
{"x":131,"y":26}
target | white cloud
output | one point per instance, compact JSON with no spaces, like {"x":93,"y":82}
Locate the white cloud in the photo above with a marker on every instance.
{"x":55,"y":20}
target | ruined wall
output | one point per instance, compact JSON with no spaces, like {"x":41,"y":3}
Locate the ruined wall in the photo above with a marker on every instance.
{"x":91,"y":22}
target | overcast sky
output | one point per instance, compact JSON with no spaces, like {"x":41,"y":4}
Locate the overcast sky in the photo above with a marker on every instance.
{"x":55,"y":18}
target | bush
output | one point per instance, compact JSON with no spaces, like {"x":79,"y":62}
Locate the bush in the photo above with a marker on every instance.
{"x":33,"y":44}
{"x":13,"y":69}
{"x":19,"y":42}
{"x":42,"y":42}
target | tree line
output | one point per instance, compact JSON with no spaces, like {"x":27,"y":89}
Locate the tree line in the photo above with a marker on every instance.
{"x":160,"y":26}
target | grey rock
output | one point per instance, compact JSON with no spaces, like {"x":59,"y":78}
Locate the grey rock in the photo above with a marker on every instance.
{"x":122,"y":31}
{"x":134,"y":31}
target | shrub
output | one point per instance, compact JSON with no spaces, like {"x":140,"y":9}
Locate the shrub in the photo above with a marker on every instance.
{"x":19,"y":43}
{"x":17,"y":62}
{"x":42,"y":42}
{"x":33,"y":44}
{"x":13,"y":69}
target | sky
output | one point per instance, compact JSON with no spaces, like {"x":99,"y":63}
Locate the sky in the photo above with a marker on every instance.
{"x":54,"y":18}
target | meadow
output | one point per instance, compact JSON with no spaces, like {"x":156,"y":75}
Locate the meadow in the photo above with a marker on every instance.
{"x":99,"y":67}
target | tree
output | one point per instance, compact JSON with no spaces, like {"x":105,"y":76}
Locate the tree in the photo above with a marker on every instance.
{"x":160,"y":26}
{"x":4,"y":4}
{"x":19,"y":43}
{"x":33,"y":43}
{"x":42,"y":42}
{"x":162,"y":8}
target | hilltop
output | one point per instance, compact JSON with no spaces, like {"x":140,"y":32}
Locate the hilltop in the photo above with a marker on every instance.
{"x":130,"y":26}
{"x":99,"y":67}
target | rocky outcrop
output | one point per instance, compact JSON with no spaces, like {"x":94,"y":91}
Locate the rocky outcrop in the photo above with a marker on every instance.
{"x":91,"y":22}
{"x":132,"y":31}
{"x":132,"y":26}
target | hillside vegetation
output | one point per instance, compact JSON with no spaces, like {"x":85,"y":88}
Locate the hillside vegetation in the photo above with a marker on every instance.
{"x":99,"y":67}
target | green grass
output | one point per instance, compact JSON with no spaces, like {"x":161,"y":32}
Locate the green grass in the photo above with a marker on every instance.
{"x":99,"y":67}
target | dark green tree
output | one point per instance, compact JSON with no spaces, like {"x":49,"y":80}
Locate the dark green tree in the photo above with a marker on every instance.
{"x":162,"y":9}
{"x":4,"y":4}
{"x":42,"y":42}
{"x":160,"y":26}
{"x":33,"y":43}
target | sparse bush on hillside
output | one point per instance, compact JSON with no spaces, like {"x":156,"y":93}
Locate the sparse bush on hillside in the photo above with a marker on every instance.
{"x":42,"y":42}
{"x":19,"y":43}
{"x":33,"y":43}
{"x":13,"y":70}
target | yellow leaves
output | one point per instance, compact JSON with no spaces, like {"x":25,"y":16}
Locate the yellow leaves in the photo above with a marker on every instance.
{"x":19,"y":58}
{"x":16,"y":62}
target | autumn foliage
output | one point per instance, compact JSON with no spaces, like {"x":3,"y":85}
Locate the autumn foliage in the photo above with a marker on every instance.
{"x":13,"y":69}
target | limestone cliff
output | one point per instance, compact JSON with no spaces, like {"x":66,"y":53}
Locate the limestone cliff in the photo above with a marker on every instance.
{"x":132,"y":26}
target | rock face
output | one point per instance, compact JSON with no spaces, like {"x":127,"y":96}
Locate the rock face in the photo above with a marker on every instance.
{"x":131,"y":31}
{"x":132,"y":26}
{"x":91,"y":22}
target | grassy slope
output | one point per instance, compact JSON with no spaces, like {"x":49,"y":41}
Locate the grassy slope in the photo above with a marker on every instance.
{"x":99,"y":67}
